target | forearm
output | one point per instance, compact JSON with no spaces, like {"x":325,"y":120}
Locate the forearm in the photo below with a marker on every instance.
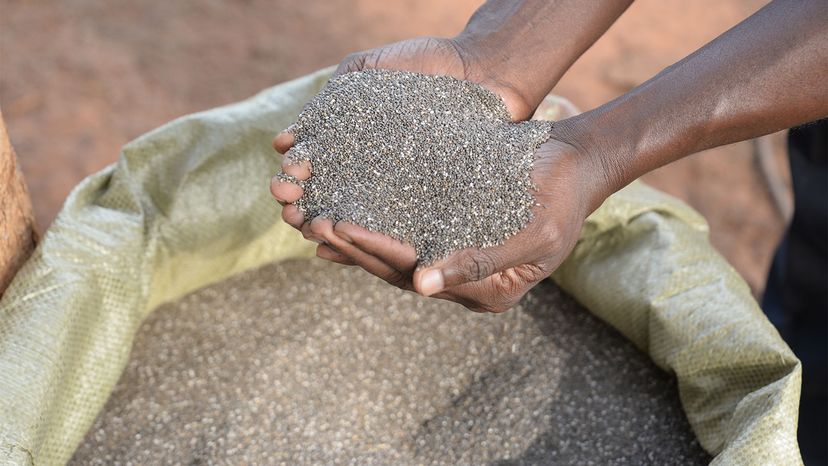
{"x":531,"y":43}
{"x":768,"y":73}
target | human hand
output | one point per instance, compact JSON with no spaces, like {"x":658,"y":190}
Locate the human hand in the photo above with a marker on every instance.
{"x":493,"y":279}
{"x":487,"y":280}
{"x":427,"y":55}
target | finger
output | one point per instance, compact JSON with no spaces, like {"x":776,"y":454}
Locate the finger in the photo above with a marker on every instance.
{"x":371,"y":264}
{"x":301,"y":170}
{"x":499,"y":291}
{"x":468,"y":265}
{"x":308,"y":234}
{"x":481,"y":296}
{"x":353,"y":62}
{"x":325,"y":252}
{"x":496,"y":293}
{"x":293,"y":216}
{"x":285,"y":191}
{"x":321,"y":227}
{"x":395,"y":253}
{"x":283,"y":141}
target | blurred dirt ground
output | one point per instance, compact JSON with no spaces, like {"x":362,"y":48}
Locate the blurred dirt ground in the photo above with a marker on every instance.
{"x":79,"y":78}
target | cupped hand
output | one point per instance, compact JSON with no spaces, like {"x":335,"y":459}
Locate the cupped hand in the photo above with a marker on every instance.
{"x":492,"y":279}
{"x":426,"y":55}
{"x":486,"y":280}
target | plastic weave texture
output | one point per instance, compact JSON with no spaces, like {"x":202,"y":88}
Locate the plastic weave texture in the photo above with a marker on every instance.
{"x":187,"y":205}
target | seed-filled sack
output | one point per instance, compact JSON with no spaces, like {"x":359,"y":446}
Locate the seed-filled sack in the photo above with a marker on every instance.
{"x":307,"y":362}
{"x":187,"y":207}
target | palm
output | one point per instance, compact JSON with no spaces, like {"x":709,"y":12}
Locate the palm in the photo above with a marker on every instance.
{"x":495,"y":279}
{"x":492,"y":279}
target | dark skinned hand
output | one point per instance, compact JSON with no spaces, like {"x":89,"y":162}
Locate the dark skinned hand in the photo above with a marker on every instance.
{"x":736,"y":87}
{"x":487,"y":280}
{"x":492,"y":279}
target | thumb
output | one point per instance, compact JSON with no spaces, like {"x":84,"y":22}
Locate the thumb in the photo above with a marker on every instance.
{"x":468,"y":265}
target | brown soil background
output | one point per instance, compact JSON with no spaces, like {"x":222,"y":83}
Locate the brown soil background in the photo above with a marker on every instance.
{"x":79,"y":78}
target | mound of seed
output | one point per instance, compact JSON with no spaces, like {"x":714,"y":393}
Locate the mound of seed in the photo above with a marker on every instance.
{"x":430,"y":160}
{"x":312,"y":363}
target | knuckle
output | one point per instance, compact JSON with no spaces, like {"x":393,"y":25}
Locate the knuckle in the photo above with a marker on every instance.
{"x":509,"y":291}
{"x":531,"y":273}
{"x":553,"y":236}
{"x":509,"y":281}
{"x":396,"y":278}
{"x":320,"y":226}
{"x":479,"y":266}
{"x":352,"y":62}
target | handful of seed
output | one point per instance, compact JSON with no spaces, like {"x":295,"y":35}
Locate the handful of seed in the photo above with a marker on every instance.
{"x":429,"y":160}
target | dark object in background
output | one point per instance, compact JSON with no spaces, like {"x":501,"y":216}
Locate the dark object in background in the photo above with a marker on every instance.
{"x":796,"y":297}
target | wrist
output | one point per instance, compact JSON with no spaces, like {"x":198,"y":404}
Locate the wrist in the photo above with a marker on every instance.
{"x":603,"y":154}
{"x":526,"y":46}
{"x":492,"y":66}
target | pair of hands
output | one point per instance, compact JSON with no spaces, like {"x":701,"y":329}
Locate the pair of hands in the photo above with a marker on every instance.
{"x":485,"y":280}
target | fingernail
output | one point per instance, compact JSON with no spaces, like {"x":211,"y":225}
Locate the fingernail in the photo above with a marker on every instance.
{"x":432,"y":282}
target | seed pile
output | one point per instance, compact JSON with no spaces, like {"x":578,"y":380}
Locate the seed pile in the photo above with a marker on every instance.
{"x":313,"y":363}
{"x":430,"y":160}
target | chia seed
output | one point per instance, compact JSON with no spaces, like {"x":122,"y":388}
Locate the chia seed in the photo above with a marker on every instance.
{"x":433,"y":161}
{"x":309,"y":362}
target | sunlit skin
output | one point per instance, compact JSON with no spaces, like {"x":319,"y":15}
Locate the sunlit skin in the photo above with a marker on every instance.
{"x":766,"y":74}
